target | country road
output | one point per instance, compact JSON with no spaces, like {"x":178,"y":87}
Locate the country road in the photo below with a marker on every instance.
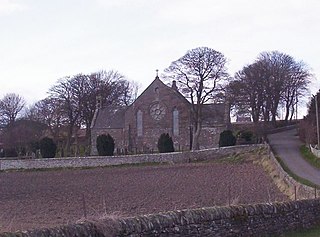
{"x":287,"y":146}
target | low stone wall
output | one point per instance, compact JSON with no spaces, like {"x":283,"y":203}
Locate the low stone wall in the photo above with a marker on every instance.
{"x":96,"y":161}
{"x":246,"y":220}
{"x":296,"y":190}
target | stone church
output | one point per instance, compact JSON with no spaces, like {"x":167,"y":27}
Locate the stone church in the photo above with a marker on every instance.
{"x":159,"y":109}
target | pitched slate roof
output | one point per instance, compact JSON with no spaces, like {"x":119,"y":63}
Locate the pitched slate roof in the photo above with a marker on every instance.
{"x":110,"y":118}
{"x":158,"y":81}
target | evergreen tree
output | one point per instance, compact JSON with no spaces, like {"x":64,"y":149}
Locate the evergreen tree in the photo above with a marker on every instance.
{"x":105,"y":145}
{"x":47,"y":148}
{"x":165,"y":143}
{"x":227,"y":139}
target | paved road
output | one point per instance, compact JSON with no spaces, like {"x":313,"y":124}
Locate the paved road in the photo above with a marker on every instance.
{"x":286,"y":144}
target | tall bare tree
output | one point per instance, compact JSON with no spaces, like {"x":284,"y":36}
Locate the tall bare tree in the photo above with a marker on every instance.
{"x":11,"y":106}
{"x":295,"y":88}
{"x":274,"y":78}
{"x":200,"y":74}
{"x":49,"y":112}
{"x":69,"y":92}
{"x":76,"y":98}
{"x":246,"y":92}
{"x":113,"y":90}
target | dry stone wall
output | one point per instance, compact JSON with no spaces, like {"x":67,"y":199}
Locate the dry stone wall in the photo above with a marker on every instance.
{"x":296,"y":190}
{"x":96,"y":161}
{"x":246,"y":220}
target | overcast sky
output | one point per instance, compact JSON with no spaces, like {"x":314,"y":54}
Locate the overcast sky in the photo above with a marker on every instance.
{"x":44,"y":40}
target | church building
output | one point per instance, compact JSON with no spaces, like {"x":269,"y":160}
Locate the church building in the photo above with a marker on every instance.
{"x":159,"y":109}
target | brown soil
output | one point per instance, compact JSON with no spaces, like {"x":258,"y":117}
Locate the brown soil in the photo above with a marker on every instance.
{"x":33,"y":199}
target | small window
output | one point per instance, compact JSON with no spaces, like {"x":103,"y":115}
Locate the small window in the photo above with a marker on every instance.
{"x":156,"y":90}
{"x":139,"y":123}
{"x":175,"y":122}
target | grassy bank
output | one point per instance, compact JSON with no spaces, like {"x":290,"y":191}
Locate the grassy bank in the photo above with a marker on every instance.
{"x":309,"y":157}
{"x":294,"y":176}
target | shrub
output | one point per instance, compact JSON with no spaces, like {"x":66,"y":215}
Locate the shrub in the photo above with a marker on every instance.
{"x":47,"y":148}
{"x":165,"y":143}
{"x":227,"y":139}
{"x":105,"y":145}
{"x":246,"y":135}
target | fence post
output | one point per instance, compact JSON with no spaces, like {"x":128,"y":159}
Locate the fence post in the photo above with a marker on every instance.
{"x":229,"y":195}
{"x":84,"y":207}
{"x":295,"y":193}
{"x":104,"y":206}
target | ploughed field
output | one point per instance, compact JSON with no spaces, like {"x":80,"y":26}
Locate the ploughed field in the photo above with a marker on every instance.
{"x":34,"y":199}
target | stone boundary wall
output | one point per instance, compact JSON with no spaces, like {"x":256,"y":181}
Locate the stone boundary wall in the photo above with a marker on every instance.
{"x":297,"y":190}
{"x":245,"y":220}
{"x":96,"y":161}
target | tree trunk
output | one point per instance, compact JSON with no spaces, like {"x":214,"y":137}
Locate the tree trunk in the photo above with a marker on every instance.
{"x":68,"y":142}
{"x":195,"y":136}
{"x":88,"y":140}
{"x":286,"y":118}
{"x":274,"y":118}
{"x":292,"y":112}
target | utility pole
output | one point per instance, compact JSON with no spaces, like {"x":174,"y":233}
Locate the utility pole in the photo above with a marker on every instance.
{"x":317,"y":119}
{"x":296,"y":105}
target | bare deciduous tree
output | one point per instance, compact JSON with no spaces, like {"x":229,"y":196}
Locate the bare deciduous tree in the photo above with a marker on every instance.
{"x":199,"y":74}
{"x":69,"y":93}
{"x":76,"y":99}
{"x":48,"y":112}
{"x":113,"y":90}
{"x":295,"y":88}
{"x":246,"y":91}
{"x":273,"y":79}
{"x":10,"y":107}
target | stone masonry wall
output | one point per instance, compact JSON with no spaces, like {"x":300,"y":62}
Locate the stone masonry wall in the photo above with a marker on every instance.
{"x":96,"y":161}
{"x":245,"y":220}
{"x":169,"y":99}
{"x":295,"y":189}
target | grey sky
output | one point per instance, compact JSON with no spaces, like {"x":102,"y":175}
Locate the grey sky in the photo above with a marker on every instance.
{"x":43,"y":40}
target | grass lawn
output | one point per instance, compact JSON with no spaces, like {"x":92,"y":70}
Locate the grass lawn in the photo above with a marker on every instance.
{"x":314,"y":232}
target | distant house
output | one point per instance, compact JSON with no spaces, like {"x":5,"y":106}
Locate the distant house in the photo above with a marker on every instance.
{"x":159,"y":109}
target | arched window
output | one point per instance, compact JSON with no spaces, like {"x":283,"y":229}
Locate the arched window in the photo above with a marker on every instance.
{"x":139,"y":123}
{"x":175,"y":121}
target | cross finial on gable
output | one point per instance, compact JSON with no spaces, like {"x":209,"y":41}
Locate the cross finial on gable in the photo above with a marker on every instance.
{"x":157,"y":71}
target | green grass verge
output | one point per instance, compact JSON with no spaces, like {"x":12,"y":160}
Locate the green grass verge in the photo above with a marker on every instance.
{"x":314,"y":232}
{"x":230,"y":159}
{"x":309,"y":157}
